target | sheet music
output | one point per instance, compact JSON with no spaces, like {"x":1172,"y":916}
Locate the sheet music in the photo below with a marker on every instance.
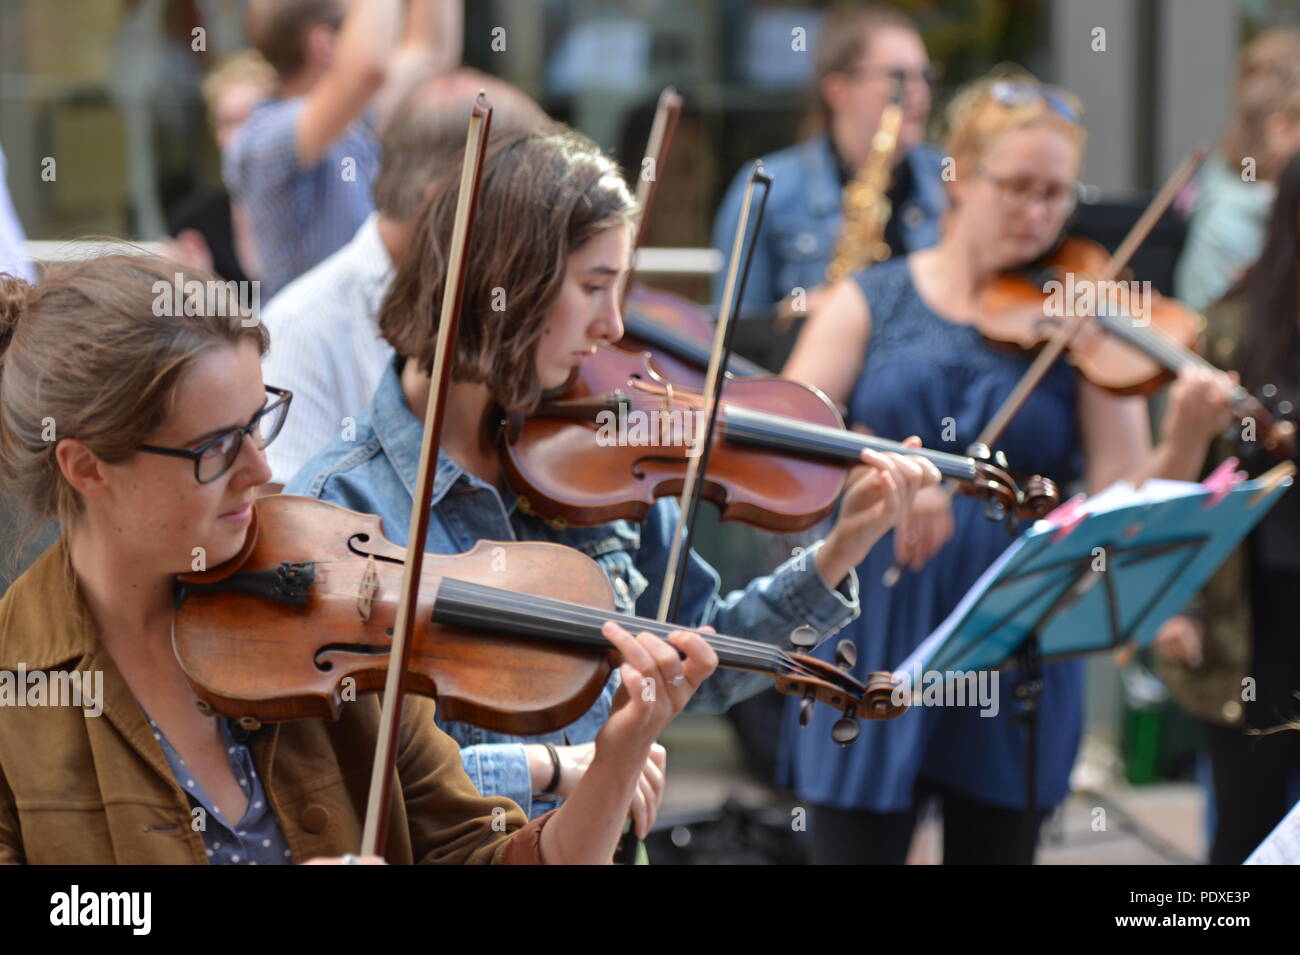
{"x":1282,"y":847}
{"x":1163,"y":540}
{"x":1122,"y":493}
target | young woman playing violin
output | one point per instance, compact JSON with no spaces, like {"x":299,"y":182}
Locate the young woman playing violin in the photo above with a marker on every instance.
{"x":143,"y":434}
{"x":545,"y":265}
{"x":899,"y":345}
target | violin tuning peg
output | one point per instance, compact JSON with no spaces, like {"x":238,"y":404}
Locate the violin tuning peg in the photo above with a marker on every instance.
{"x":803,"y":638}
{"x":846,"y":655}
{"x":806,"y":706}
{"x":845,"y":730}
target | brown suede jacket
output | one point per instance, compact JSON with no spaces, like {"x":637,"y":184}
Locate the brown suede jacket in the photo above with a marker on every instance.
{"x":97,"y":790}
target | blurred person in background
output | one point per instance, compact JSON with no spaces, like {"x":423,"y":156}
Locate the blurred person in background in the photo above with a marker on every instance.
{"x":1243,"y":625}
{"x":1234,"y":188}
{"x":304,"y":163}
{"x":860,"y":49}
{"x":328,"y":348}
{"x":14,"y":261}
{"x":207,"y":231}
{"x":13,"y":241}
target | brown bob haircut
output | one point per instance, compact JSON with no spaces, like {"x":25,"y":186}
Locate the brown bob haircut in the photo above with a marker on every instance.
{"x":543,"y":195}
{"x":277,"y":29}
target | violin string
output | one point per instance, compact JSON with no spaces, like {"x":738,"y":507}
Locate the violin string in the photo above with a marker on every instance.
{"x":1172,"y":355}
{"x":1154,"y":342}
{"x":792,"y":434}
{"x":1169,"y":353}
{"x":761,"y":655}
{"x":590,"y":623}
{"x":850,"y":444}
{"x":562,"y":611}
{"x":595,"y":617}
{"x":570,"y":612}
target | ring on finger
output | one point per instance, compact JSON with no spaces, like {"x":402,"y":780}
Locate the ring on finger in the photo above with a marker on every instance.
{"x":678,"y":680}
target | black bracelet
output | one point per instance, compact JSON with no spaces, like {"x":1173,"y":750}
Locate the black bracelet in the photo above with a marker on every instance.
{"x":555,"y":769}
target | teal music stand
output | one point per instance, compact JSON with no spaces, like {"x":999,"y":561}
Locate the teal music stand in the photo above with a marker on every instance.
{"x":1095,"y":574}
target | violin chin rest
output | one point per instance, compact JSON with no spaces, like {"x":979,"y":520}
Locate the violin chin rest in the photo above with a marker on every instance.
{"x":214,"y":575}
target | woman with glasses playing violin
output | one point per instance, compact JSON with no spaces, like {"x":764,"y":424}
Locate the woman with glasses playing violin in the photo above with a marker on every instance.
{"x":558,"y":268}
{"x":143,"y":433}
{"x":899,"y":346}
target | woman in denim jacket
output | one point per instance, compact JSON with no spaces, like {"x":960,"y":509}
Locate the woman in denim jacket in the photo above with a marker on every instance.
{"x":860,"y":51}
{"x":546,"y":265}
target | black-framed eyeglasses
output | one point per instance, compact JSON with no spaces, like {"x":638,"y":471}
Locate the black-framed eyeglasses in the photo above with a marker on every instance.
{"x":215,"y":457}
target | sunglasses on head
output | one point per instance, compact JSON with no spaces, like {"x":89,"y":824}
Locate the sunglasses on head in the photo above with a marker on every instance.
{"x":1017,"y":94}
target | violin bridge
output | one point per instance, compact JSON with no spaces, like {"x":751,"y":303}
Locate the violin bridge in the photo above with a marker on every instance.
{"x":366,"y":590}
{"x":667,"y":415}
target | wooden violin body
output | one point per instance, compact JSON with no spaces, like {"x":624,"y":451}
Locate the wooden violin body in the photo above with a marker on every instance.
{"x":508,"y":636}
{"x":1025,"y":309}
{"x":1139,"y":340}
{"x":779,"y":459}
{"x":605,"y":480}
{"x":325,"y":615}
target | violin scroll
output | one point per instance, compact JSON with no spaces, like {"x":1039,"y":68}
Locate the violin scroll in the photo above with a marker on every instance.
{"x":1005,"y":499}
{"x":835,"y":687}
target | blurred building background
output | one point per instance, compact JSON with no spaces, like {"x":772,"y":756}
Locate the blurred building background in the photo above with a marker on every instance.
{"x":103,"y":128}
{"x":110,"y":88}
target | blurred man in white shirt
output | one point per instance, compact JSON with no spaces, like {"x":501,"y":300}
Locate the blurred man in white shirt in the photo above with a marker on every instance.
{"x":325,"y":341}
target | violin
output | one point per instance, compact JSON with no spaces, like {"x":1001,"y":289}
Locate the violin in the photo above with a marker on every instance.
{"x":302,"y":619}
{"x":678,"y":333}
{"x":621,"y":437}
{"x":1148,"y":338}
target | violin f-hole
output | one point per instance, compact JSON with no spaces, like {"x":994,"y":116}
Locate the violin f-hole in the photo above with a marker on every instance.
{"x":365,"y":538}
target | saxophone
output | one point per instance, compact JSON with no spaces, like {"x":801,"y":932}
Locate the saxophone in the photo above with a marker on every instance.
{"x":866,"y":207}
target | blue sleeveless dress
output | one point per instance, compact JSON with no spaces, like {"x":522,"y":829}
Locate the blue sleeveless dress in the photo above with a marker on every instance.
{"x":938,"y":379}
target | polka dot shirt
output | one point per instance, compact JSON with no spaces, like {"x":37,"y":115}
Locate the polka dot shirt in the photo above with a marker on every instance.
{"x":254,"y":839}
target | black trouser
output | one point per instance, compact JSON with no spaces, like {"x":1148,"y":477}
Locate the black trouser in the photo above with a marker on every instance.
{"x":1250,"y":772}
{"x":974,"y":832}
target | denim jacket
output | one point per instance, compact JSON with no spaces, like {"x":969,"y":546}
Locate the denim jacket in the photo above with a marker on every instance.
{"x":376,"y":473}
{"x":801,"y":223}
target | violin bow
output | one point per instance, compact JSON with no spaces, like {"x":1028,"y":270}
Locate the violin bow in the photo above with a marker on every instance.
{"x":383,"y":770}
{"x":1065,"y":334}
{"x":697,"y":463}
{"x":667,"y":113}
